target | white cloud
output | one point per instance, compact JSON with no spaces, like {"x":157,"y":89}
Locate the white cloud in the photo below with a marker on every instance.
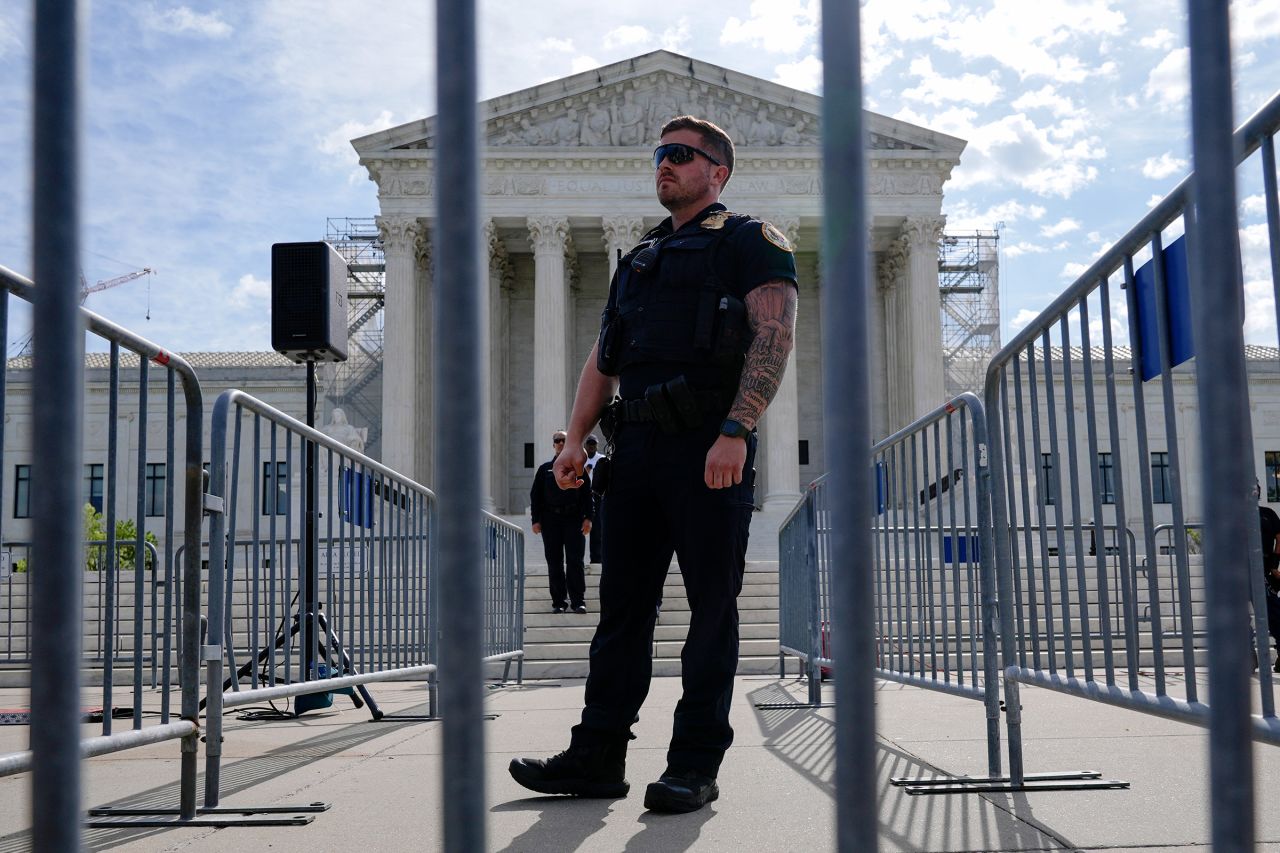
{"x":1161,"y":39}
{"x":1254,"y":20}
{"x":1063,"y":226}
{"x":557,"y":45}
{"x":805,"y":74}
{"x":1154,"y":200}
{"x":962,"y":216}
{"x":1049,"y":98}
{"x":627,"y":36}
{"x":1023,"y":248}
{"x":337,"y":142}
{"x":182,"y":20}
{"x":1163,"y":166}
{"x":1034,"y":39}
{"x":937,"y":89}
{"x":1073,"y":270}
{"x":777,"y":26}
{"x":1254,"y":205}
{"x":1014,"y":149}
{"x":584,"y":63}
{"x":1169,"y":83}
{"x":1022,"y":318}
{"x":250,"y":292}
{"x":676,"y":37}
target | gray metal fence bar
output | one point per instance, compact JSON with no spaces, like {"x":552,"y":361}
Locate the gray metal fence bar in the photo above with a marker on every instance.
{"x":57,"y":418}
{"x":456,"y":336}
{"x":1226,"y":441}
{"x":846,"y":404}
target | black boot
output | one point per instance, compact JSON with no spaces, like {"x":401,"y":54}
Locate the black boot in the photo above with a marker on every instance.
{"x":580,"y":771}
{"x":680,"y":792}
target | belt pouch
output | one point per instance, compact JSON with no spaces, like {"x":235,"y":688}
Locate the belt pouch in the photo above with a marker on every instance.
{"x":663,"y":413}
{"x":684,"y":402}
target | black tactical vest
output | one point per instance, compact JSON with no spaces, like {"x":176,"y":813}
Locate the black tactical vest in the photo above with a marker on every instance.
{"x":678,"y":312}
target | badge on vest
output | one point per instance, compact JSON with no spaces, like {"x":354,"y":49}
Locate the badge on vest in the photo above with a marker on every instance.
{"x":716,"y":221}
{"x":775,"y":236}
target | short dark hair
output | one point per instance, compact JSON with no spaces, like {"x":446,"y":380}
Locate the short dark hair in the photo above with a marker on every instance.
{"x":713,"y":136}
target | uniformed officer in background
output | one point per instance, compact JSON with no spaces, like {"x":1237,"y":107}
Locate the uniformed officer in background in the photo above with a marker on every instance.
{"x":563,"y":518}
{"x":694,"y":338}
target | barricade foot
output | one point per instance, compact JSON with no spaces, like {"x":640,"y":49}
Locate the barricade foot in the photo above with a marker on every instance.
{"x":215,"y":816}
{"x":1070,"y":780}
{"x":783,"y":706}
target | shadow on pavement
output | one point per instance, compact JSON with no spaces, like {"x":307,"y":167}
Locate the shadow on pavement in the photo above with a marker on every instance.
{"x":803,"y":738}
{"x":236,"y":777}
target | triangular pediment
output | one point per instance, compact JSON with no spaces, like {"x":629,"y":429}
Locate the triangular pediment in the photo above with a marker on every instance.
{"x":623,"y":104}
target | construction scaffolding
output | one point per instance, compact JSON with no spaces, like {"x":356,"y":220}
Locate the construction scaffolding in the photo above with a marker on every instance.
{"x":355,"y":385}
{"x":969,"y":289}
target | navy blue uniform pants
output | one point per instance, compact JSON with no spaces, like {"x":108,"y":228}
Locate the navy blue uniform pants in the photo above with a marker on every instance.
{"x":563,"y":545}
{"x":658,"y":504}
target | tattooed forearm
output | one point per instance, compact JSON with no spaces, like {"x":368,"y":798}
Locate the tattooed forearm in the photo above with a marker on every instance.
{"x":771,"y":312}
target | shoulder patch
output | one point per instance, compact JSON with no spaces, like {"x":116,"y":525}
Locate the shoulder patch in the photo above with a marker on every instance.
{"x":716,"y":221}
{"x":775,"y":236}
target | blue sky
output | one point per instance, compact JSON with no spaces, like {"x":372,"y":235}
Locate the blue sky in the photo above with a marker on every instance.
{"x":215,"y":129}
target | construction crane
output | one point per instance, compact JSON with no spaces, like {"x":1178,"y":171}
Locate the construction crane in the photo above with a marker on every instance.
{"x":107,"y":284}
{"x":24,"y":345}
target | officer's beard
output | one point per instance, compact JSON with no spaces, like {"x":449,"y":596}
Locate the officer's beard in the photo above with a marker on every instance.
{"x":677,"y":195}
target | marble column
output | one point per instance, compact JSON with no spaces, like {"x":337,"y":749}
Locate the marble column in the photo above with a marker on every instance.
{"x":424,"y":432}
{"x":924,"y":307}
{"x":485,"y":428}
{"x":891,"y":289}
{"x":501,"y":280}
{"x":549,"y":237}
{"x":621,"y":233}
{"x":781,"y":426}
{"x":400,"y":341}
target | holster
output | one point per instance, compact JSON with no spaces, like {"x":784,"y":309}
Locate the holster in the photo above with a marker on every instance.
{"x":674,"y":405}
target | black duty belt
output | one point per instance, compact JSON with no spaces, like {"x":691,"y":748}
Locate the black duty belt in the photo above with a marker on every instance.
{"x":640,"y":411}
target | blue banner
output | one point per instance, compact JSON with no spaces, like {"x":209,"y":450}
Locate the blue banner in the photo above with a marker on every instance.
{"x":1177,"y":292}
{"x":355,"y":498}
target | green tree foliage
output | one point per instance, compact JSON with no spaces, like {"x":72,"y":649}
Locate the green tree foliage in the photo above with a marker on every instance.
{"x":95,"y":530}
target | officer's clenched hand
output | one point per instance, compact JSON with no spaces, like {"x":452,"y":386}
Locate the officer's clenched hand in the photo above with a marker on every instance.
{"x":569,"y":465}
{"x":586,"y":526}
{"x":725,"y":461}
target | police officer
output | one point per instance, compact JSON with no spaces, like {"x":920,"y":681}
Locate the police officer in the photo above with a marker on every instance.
{"x":694,"y":339}
{"x":562,"y":517}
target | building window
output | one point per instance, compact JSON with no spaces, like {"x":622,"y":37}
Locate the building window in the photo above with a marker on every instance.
{"x":21,"y":491}
{"x":93,"y":485}
{"x":1273,"y":476}
{"x":1106,"y":478}
{"x":153,"y":489}
{"x":804,"y":451}
{"x":1161,"y":488}
{"x":275,"y":490}
{"x":1048,"y":480}
{"x":528,"y":454}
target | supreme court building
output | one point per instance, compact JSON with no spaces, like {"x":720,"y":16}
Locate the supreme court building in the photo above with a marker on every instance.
{"x":568,"y":182}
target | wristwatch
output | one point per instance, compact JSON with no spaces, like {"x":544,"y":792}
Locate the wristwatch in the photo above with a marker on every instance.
{"x":733,"y":429}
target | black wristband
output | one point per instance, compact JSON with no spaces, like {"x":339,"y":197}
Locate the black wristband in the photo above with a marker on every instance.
{"x":734,"y":429}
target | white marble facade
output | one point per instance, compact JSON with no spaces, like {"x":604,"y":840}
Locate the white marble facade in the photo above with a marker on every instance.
{"x":568,"y":181}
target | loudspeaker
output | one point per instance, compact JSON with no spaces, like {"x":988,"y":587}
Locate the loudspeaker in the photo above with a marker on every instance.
{"x":308,"y":302}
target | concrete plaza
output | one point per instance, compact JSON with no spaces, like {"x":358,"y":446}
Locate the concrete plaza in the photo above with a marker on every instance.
{"x":382,"y":779}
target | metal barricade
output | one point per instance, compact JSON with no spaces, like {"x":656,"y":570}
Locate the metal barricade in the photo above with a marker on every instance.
{"x":934,"y":571}
{"x":367,"y":611}
{"x":1080,"y":436}
{"x":124,"y":616}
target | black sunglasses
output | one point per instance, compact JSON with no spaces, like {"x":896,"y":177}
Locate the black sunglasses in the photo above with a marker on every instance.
{"x":679,"y":154}
{"x":557,"y":441}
